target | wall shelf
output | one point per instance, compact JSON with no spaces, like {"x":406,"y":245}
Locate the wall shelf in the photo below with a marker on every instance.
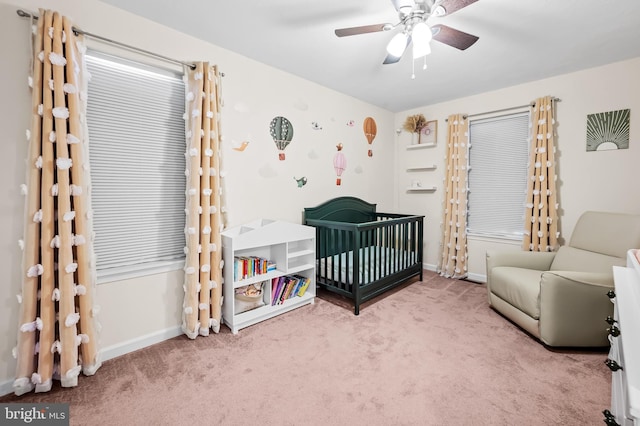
{"x":422,"y":189}
{"x":421,"y":146}
{"x":422,"y":169}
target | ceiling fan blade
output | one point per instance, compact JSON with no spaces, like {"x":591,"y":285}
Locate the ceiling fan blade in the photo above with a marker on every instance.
{"x":392,"y":59}
{"x":343,"y":32}
{"x":451,"y":6}
{"x":452,"y":37}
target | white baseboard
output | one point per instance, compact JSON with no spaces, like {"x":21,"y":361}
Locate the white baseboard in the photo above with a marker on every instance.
{"x":477,"y":278}
{"x":125,"y":347}
{"x":118,"y":349}
{"x":429,"y":267}
{"x":471,"y":277}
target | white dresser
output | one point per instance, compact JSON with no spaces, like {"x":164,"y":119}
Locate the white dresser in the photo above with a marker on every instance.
{"x":624,"y":335}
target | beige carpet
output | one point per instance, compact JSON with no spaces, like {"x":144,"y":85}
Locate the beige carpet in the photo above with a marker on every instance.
{"x":429,"y":353}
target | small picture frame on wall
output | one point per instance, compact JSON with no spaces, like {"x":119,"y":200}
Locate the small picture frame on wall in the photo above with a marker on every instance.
{"x":608,"y":130}
{"x":429,"y":133}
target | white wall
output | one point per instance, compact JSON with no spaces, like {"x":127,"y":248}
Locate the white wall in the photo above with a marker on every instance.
{"x":136,"y":312}
{"x":587,"y":180}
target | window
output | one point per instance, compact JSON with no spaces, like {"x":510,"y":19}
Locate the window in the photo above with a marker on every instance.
{"x":136,"y":152}
{"x":498,"y":157}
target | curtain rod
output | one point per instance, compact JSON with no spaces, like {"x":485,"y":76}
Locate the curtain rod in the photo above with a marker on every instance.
{"x":531,"y":104}
{"x":24,"y":14}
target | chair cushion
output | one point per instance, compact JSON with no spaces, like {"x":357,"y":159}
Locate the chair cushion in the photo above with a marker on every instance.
{"x":573,"y":259}
{"x":519,"y":287}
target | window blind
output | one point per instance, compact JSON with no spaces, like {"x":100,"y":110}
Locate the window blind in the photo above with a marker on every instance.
{"x":498,"y":159}
{"x":136,"y":153}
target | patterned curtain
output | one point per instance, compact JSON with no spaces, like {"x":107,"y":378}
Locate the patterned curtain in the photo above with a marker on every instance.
{"x":541,"y":222}
{"x":453,"y":261}
{"x":203,"y":268}
{"x":57,"y":333}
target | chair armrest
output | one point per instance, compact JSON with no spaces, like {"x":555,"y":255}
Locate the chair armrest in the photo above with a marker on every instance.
{"x":540,"y":261}
{"x":573,"y":307}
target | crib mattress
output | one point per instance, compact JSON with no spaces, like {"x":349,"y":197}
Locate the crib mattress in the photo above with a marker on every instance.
{"x":375,"y":262}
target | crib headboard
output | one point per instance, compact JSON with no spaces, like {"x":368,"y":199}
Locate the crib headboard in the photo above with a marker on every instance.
{"x":342,"y":209}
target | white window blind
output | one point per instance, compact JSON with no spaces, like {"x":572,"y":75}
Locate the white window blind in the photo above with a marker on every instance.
{"x":137,"y":145}
{"x":498,"y":159}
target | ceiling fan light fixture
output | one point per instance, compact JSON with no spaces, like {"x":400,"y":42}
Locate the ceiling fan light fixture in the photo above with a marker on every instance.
{"x":397,"y":45}
{"x":421,"y":37}
{"x":439,"y":11}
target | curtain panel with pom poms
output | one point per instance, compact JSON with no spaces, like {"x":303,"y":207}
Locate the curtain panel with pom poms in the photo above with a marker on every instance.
{"x":541,"y":206}
{"x":453,"y":260}
{"x":57,"y":335}
{"x":204,"y":203}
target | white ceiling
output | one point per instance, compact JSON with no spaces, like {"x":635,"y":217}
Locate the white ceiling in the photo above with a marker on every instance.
{"x":520,"y":41}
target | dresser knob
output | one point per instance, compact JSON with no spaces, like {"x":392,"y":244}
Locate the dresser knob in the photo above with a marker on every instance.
{"x":613,"y":366}
{"x":611,"y":294}
{"x":614,"y":331}
{"x":610,"y":320}
{"x":609,"y":419}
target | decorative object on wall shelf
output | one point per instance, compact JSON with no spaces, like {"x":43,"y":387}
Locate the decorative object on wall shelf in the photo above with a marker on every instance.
{"x":339,"y":163}
{"x":414,"y":125}
{"x":281,"y":131}
{"x":608,"y":130}
{"x":370,"y":131}
{"x":429,"y":133}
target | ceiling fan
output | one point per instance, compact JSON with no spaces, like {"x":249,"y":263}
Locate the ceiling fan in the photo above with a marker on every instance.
{"x":413,"y":15}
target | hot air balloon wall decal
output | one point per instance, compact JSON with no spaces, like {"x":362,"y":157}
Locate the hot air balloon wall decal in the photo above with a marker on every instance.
{"x":339,"y":163}
{"x":282,"y":132}
{"x":370,"y":131}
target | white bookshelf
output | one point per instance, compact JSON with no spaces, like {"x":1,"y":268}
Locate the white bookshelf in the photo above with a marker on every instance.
{"x":290,"y":246}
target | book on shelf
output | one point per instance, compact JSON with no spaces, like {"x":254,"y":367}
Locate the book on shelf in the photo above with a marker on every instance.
{"x":249,"y":266}
{"x":291,"y":281}
{"x":276,"y":289}
{"x":287,"y":287}
{"x":304,"y":286}
{"x":299,"y":284}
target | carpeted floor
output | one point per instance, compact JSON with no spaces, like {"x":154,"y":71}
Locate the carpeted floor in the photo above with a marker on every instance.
{"x":429,"y":353}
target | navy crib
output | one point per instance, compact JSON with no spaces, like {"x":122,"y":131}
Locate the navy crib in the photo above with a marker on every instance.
{"x":361,"y":253}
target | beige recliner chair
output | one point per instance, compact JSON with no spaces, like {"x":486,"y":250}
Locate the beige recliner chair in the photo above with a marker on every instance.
{"x":561,"y":297}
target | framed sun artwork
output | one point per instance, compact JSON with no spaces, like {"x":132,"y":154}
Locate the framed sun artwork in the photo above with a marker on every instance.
{"x":429,"y":133}
{"x":608,"y":130}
